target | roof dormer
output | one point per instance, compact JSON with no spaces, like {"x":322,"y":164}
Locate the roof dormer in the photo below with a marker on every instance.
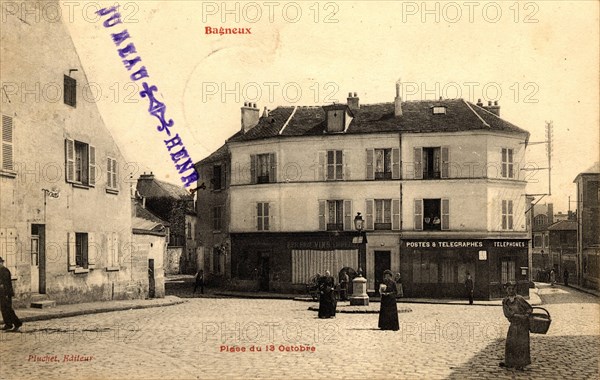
{"x":339,"y":117}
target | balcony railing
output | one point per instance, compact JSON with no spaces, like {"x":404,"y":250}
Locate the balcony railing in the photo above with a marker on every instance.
{"x":335,"y":226}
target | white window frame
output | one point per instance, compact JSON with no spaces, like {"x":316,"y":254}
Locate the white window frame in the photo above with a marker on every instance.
{"x":335,"y":165}
{"x":507,"y":156}
{"x":263,"y":214}
{"x":508,"y":215}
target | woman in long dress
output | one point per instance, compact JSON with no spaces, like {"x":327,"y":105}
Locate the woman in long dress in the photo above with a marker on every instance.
{"x":327,"y":302}
{"x":388,"y":313}
{"x":517,"y":311}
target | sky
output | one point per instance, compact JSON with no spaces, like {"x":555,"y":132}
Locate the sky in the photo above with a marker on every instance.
{"x":538,"y":59}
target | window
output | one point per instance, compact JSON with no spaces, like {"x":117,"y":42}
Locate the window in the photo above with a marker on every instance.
{"x":80,"y":163}
{"x":546,"y":241}
{"x":432,"y":214}
{"x":262,"y":167}
{"x":335,"y":212}
{"x":81,"y":250}
{"x":111,"y":174}
{"x":217,"y":178}
{"x":70,"y":91}
{"x":383,"y":214}
{"x":537,"y":241}
{"x":540,"y":220}
{"x":217,"y":218}
{"x":383,"y":163}
{"x":262,"y":216}
{"x":508,"y":271}
{"x":216,"y":260}
{"x":6,"y":148}
{"x":439,"y":110}
{"x":335,"y":215}
{"x":431,"y":162}
{"x":507,"y":163}
{"x":425,"y":270}
{"x":335,"y":165}
{"x":507,"y":215}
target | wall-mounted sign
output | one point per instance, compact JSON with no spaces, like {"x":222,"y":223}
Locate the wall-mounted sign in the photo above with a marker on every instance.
{"x":482,"y":255}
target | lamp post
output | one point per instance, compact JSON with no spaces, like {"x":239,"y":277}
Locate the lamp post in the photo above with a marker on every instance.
{"x":359,"y":283}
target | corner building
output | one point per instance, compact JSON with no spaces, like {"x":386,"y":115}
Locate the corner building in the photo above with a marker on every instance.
{"x":437,"y":182}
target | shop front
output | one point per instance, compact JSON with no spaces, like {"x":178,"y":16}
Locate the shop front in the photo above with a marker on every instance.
{"x":438,"y":268}
{"x":286,"y":262}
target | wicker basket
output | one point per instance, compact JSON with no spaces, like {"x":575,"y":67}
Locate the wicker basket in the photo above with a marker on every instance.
{"x":539,"y":323}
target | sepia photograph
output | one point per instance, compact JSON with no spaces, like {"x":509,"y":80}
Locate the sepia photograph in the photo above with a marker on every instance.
{"x":299,"y":189}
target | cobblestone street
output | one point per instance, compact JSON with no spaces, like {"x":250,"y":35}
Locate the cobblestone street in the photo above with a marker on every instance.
{"x":193,"y":340}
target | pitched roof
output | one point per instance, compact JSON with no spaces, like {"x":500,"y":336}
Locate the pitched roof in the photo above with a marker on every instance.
{"x":564,"y":225}
{"x":143,"y":213}
{"x":417,"y":117}
{"x":151,"y":187}
{"x":217,"y":155}
{"x":594,"y":169}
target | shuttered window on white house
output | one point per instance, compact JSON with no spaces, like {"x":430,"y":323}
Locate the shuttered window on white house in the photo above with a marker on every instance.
{"x":80,"y":163}
{"x":507,"y":214}
{"x":111,"y":174}
{"x":7,"y":144}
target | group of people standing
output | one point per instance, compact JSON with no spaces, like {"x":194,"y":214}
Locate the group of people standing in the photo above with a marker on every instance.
{"x":388,"y":313}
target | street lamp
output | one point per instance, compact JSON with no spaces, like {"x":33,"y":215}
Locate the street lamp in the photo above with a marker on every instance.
{"x":359,"y":283}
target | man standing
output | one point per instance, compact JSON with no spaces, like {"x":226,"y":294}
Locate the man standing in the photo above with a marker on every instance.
{"x":469,"y":287}
{"x":11,"y":321}
{"x":566,"y":277}
{"x":199,"y":281}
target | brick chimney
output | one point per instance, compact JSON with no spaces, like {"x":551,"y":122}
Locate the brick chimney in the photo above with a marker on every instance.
{"x":250,"y":116}
{"x":353,"y":103}
{"x":550,"y":213}
{"x":398,"y":101}
{"x":479,"y":103}
{"x":493,"y":108}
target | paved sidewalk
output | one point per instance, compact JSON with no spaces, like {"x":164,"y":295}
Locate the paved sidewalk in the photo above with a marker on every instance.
{"x":63,"y":311}
{"x":584,"y":290}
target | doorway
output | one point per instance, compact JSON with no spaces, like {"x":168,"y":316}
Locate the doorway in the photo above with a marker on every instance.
{"x":383,"y":261}
{"x":38,"y":258}
{"x":264,"y":272}
{"x":151,"y":281}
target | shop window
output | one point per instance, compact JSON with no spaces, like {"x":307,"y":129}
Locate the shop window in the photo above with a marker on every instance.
{"x":425,"y":270}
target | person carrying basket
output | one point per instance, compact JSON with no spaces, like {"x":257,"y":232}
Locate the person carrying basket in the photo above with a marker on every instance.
{"x":517,"y":311}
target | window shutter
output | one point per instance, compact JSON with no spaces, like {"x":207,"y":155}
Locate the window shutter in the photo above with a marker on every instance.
{"x":92,"y":165}
{"x":270,"y":212}
{"x":370,"y":166}
{"x":322,"y":208}
{"x":395,"y":214}
{"x":510,"y":215}
{"x":70,"y":160}
{"x":71,"y":250}
{"x":369,"y":208}
{"x":395,"y":163}
{"x":3,"y":244}
{"x":272,"y":168}
{"x":223,"y":176}
{"x":92,"y":249}
{"x":445,"y":214}
{"x":258,"y":217}
{"x":253,"y":168}
{"x":418,"y":157}
{"x":346,"y":174}
{"x":511,"y":173}
{"x":322,"y":166}
{"x":348,"y":224}
{"x":7,"y":143}
{"x":115,"y":174}
{"x":445,"y":162}
{"x":418,"y":214}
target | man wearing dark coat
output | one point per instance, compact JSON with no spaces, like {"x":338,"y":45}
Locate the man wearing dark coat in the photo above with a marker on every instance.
{"x":11,"y":321}
{"x":199,"y":281}
{"x":469,"y":287}
{"x":327,"y":303}
{"x":388,"y":313}
{"x":517,"y":311}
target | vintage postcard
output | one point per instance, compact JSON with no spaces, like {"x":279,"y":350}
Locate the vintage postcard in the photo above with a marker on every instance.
{"x":299,"y":189}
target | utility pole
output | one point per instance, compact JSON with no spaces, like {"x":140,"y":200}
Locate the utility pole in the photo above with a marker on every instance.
{"x":549,"y":135}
